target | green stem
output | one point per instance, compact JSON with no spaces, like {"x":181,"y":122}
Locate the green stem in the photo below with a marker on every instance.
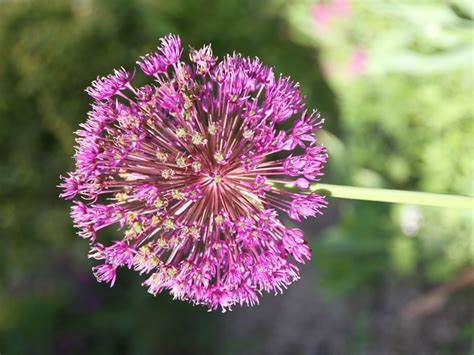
{"x":394,"y":196}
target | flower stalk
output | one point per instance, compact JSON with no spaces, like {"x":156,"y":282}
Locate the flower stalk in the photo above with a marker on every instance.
{"x":393,"y":196}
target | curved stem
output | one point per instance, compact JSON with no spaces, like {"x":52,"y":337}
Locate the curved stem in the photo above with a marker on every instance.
{"x":394,"y":196}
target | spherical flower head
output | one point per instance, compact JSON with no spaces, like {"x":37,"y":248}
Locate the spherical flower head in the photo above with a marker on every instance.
{"x":192,"y":169}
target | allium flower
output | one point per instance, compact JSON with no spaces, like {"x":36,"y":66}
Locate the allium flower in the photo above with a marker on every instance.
{"x":191,"y":168}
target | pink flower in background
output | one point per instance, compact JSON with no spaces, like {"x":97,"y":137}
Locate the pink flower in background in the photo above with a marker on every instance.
{"x":323,"y":13}
{"x":357,"y":61}
{"x":190,"y":168}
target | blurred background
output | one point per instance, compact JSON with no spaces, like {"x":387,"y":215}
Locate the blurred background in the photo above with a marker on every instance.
{"x":394,"y":80}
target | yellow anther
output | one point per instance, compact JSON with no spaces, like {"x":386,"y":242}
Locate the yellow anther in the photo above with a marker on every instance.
{"x":137,"y":226}
{"x":219,"y":219}
{"x":161,"y":156}
{"x":123,"y":173}
{"x":131,"y":216}
{"x":196,"y":138}
{"x":181,"y":162}
{"x":176,"y":194}
{"x":121,"y":196}
{"x":154,"y":261}
{"x":167,"y":173}
{"x":171,"y":271}
{"x":219,"y":157}
{"x":130,"y":233}
{"x":180,"y":132}
{"x":248,"y":134}
{"x":187,"y":104}
{"x":161,"y":242}
{"x":158,"y":203}
{"x":144,"y":249}
{"x":212,"y":129}
{"x":168,"y":224}
{"x":155,"y":220}
{"x":196,"y":165}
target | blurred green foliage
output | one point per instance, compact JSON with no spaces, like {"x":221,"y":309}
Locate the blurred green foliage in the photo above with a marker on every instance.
{"x":404,"y":79}
{"x":400,"y":116}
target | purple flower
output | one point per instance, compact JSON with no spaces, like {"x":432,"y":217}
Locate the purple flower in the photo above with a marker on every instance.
{"x":106,"y":87}
{"x":306,"y":206}
{"x":153,"y":63}
{"x":70,"y":186}
{"x":203,"y":58}
{"x":295,"y":245}
{"x":190,"y":168}
{"x":302,"y":131}
{"x":171,"y":48}
{"x":105,"y":273}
